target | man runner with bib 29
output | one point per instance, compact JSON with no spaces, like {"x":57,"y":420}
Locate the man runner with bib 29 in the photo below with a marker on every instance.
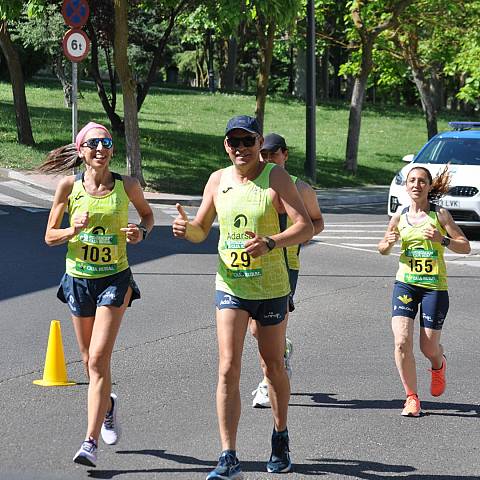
{"x":252,"y":279}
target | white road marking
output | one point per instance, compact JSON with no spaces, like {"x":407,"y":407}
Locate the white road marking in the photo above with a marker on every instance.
{"x":21,"y":187}
{"x":14,"y":202}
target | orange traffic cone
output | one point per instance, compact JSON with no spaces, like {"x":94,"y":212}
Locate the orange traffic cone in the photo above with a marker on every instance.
{"x":55,"y":371}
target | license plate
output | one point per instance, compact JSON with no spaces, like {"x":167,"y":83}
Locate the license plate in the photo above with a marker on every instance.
{"x":449,"y":203}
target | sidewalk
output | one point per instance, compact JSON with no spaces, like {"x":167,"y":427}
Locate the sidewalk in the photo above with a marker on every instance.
{"x":326,"y":196}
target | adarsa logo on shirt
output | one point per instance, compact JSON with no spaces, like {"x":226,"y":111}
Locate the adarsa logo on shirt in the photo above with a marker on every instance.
{"x":237,"y":236}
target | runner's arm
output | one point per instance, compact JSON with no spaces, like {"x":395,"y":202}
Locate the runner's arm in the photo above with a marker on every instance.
{"x":458,"y":240}
{"x":136,"y":196}
{"x":302,"y":229}
{"x":310,"y":201}
{"x":391,"y":236}
{"x":197,"y":230}
{"x":54,"y":235}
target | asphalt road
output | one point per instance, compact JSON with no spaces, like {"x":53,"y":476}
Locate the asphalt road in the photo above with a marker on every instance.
{"x":344,"y":419}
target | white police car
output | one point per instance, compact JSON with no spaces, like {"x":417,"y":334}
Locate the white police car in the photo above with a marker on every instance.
{"x":460,"y":148}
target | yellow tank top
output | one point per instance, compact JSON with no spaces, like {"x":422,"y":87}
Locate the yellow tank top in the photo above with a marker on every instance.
{"x":242,"y":207}
{"x":100,"y":249}
{"x":421,"y":261}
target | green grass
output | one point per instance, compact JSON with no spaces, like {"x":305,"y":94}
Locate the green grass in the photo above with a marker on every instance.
{"x":182,"y":135}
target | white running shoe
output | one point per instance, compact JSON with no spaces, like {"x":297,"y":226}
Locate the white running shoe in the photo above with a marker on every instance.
{"x":261,"y":396}
{"x":110,"y":427}
{"x":87,"y":455}
{"x":288,"y":356}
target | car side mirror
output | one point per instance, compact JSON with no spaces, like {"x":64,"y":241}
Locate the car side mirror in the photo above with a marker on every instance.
{"x":408,"y":158}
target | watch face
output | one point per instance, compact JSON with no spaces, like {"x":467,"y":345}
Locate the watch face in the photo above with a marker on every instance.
{"x":271,"y":244}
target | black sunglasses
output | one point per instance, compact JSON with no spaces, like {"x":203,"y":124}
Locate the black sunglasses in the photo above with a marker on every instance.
{"x":248,"y":141}
{"x":93,"y":143}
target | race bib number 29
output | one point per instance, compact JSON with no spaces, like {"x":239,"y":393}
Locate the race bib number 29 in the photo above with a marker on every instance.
{"x":241,"y":264}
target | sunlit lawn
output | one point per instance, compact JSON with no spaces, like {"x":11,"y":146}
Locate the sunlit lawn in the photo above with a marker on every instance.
{"x":182,"y":134}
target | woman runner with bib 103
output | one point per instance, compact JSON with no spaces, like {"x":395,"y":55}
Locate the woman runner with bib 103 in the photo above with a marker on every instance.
{"x":421,"y":279}
{"x":98,"y":284}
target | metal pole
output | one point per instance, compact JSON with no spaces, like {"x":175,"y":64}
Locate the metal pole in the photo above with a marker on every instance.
{"x":74,"y":100}
{"x":211,"y":78}
{"x":74,"y":104}
{"x":311,"y":101}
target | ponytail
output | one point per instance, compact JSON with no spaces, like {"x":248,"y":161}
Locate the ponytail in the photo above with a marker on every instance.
{"x":62,"y":159}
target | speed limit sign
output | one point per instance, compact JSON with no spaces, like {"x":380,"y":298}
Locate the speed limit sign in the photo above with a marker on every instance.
{"x":76,"y":45}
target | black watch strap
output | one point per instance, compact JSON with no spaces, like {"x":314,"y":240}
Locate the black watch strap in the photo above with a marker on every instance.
{"x":445,"y":241}
{"x":270,"y":243}
{"x":143,"y":230}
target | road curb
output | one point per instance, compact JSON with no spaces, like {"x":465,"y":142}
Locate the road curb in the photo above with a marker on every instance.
{"x":326,"y":197}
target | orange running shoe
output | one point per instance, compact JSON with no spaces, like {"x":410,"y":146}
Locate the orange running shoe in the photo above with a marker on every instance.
{"x":437,"y":387}
{"x":412,"y":406}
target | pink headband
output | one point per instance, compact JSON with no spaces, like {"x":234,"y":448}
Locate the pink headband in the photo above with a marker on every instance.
{"x":89,"y":126}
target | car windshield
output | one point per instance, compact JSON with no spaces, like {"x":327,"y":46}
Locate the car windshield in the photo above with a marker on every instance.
{"x":457,"y":151}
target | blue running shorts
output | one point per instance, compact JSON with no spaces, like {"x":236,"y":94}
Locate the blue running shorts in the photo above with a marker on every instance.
{"x":84,"y":295}
{"x":433,"y":304}
{"x":267,"y":312}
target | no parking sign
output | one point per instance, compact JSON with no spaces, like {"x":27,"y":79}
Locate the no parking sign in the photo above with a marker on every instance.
{"x":75,"y":12}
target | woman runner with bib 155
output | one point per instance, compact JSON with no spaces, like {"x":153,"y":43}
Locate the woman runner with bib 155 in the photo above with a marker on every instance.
{"x":425,"y":230}
{"x":98,"y":285}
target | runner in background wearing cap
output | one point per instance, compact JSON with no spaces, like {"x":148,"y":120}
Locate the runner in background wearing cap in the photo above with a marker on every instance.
{"x":252,"y":279}
{"x":275,"y":150}
{"x":98,"y":284}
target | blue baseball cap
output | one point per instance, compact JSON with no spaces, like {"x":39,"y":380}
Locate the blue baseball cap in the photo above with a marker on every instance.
{"x":274,"y":141}
{"x":243,"y":122}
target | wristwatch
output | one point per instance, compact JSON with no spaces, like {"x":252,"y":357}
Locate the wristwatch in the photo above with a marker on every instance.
{"x":270,"y":243}
{"x":143,"y":230}
{"x":445,"y":242}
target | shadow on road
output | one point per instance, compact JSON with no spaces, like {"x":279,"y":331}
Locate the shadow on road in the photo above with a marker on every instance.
{"x":322,"y":466}
{"x":326,"y":400}
{"x":29,"y":265}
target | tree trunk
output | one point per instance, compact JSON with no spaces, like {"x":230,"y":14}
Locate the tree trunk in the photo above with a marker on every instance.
{"x":265,"y":36}
{"x":24,"y":127}
{"x":437,"y":87}
{"x":109,"y":106}
{"x":427,"y":101}
{"x":356,"y":106}
{"x":354,"y":124}
{"x":324,"y":74}
{"x":66,"y":84}
{"x":300,"y":84}
{"x":132,"y":136}
{"x":142,"y":90}
{"x":231,"y":65}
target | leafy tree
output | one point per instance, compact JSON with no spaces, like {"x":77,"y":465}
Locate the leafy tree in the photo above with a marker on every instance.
{"x":464,"y":38}
{"x":150,"y":29}
{"x":424,"y":38}
{"x":370,"y":19}
{"x":44,"y":33}
{"x":269,"y":16}
{"x":132,"y":136}
{"x":10,"y":10}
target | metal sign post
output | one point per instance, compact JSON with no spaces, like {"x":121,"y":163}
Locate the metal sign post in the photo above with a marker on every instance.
{"x":74,"y":101}
{"x":76,"y":46}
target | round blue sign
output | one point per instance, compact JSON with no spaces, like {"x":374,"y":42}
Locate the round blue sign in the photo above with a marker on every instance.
{"x":75,"y":12}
